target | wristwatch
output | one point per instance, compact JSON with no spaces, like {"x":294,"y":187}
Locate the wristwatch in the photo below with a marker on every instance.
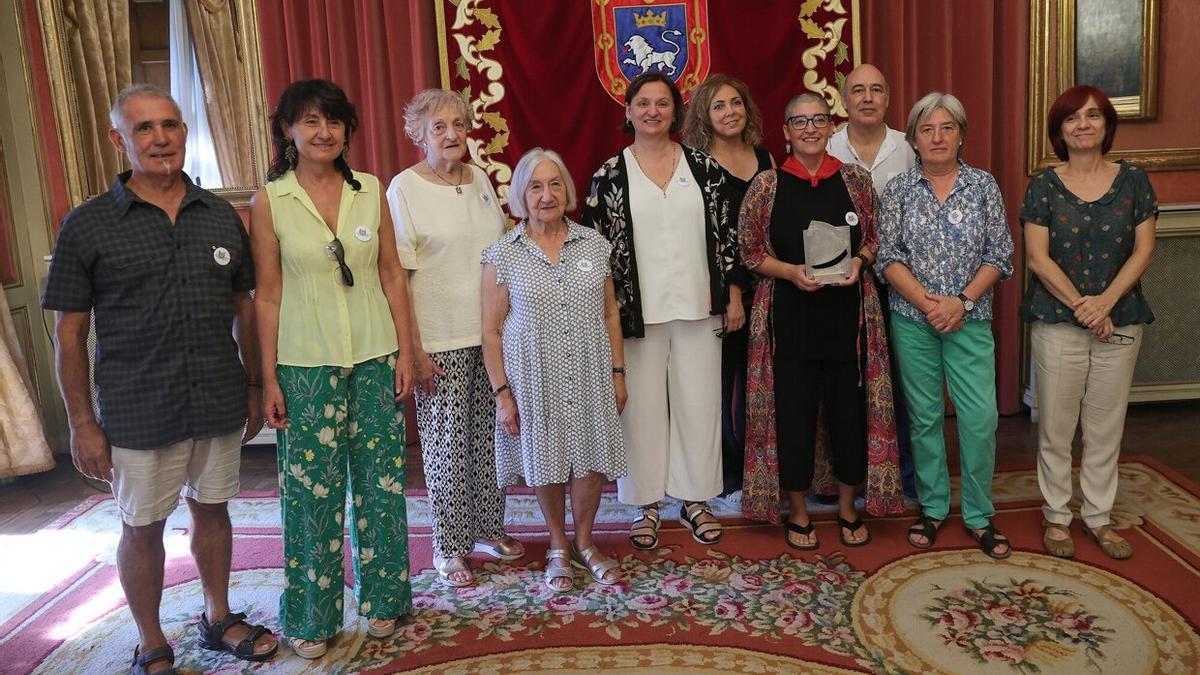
{"x":968,"y":304}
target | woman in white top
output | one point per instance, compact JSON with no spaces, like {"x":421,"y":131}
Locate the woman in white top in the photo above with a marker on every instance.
{"x":445,"y":212}
{"x":678,"y":288}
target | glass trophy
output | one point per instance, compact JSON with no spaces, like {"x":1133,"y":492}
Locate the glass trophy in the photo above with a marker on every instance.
{"x":827,"y":253}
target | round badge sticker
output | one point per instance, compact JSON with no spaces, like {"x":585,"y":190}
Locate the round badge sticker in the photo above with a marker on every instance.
{"x":851,"y":218}
{"x":362,"y":233}
{"x":584,"y":265}
{"x":221,"y":255}
{"x":956,"y":216}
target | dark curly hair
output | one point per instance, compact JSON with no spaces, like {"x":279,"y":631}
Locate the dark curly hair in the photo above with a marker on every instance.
{"x":300,"y":97}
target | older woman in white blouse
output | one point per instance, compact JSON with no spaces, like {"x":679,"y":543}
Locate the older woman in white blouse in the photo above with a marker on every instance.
{"x":446,"y":212}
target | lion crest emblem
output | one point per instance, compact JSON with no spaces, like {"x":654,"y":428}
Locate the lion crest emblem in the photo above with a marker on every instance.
{"x":633,"y":37}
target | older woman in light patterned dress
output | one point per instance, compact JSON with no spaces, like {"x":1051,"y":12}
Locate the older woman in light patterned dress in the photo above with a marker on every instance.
{"x":553,"y":349}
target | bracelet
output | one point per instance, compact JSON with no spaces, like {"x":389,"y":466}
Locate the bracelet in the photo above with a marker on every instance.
{"x":501,"y":389}
{"x":618,"y":370}
{"x":863,"y":258}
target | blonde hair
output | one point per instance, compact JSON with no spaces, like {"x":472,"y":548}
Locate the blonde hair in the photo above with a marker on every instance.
{"x":426,"y":103}
{"x":697,"y":124}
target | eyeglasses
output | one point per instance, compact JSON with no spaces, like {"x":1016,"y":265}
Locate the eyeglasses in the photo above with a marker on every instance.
{"x":338,"y":253}
{"x":1118,"y":339}
{"x":799,"y":122}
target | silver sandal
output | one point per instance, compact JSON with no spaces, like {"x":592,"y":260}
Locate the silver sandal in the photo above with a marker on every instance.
{"x":553,"y":573}
{"x":503,"y":548}
{"x":596,"y":564}
{"x":447,"y":566}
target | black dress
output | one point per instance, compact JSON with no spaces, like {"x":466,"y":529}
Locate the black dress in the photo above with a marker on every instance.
{"x":816,"y":342}
{"x":734,"y":351}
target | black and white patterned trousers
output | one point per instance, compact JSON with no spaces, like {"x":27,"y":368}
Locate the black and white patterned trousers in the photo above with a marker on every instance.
{"x":457,"y":427}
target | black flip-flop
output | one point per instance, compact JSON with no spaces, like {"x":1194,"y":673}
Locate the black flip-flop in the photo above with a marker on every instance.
{"x":926,"y":527}
{"x":805,"y":530}
{"x":853,"y":527}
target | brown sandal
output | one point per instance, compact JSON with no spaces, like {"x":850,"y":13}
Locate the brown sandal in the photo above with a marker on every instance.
{"x":643,"y":534}
{"x":1059,"y":548}
{"x":1117,"y":550}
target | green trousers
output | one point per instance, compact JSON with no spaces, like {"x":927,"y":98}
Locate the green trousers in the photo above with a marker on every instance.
{"x":967,"y":360}
{"x":345,"y":432}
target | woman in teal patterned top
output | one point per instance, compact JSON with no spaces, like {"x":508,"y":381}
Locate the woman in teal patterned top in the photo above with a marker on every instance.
{"x":1089,"y":235}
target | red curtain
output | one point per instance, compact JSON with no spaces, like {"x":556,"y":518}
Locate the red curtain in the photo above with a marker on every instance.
{"x":977,"y":51}
{"x":380,"y":51}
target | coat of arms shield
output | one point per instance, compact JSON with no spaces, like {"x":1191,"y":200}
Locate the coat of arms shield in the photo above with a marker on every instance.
{"x":632,"y":37}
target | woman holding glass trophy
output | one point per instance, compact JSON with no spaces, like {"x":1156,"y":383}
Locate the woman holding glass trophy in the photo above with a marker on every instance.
{"x":816,"y":335}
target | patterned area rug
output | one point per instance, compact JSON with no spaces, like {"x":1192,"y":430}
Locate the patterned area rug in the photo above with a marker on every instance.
{"x":747,"y":605}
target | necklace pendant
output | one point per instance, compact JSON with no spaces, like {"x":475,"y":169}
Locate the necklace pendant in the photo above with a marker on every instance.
{"x":458,"y":189}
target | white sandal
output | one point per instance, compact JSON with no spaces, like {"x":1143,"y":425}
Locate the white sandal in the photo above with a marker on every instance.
{"x":447,"y":566}
{"x":504,"y":548}
{"x":310,"y":649}
{"x":553,"y":573}
{"x":381,"y":628}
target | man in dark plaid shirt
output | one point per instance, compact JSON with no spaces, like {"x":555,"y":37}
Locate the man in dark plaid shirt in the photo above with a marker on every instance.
{"x":165,"y":267}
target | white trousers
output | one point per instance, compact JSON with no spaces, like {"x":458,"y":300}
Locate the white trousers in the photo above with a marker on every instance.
{"x":672,"y":422}
{"x":1080,"y":380}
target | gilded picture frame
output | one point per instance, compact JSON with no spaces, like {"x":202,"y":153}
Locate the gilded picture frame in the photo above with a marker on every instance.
{"x":1113,"y":46}
{"x":1052,"y":67}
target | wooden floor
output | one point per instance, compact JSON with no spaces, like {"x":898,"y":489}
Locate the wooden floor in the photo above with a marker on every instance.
{"x":1169,"y":432}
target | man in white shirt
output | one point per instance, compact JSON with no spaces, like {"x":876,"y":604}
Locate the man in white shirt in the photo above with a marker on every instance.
{"x":866,"y":140}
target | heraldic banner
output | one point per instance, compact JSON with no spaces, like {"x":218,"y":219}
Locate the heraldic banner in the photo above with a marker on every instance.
{"x":553,"y":73}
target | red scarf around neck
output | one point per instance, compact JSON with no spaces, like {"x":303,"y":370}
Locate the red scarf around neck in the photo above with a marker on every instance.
{"x":829,"y":166}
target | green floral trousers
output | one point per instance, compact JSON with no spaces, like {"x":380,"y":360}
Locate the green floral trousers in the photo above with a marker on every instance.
{"x":345,"y":431}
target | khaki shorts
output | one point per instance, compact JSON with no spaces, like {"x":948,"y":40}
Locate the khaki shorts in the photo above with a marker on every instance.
{"x":148,"y":483}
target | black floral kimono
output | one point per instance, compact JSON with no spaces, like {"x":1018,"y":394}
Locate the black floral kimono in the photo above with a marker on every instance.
{"x":607,"y":210}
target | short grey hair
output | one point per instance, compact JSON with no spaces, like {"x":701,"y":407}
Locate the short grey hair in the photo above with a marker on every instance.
{"x":116,"y":114}
{"x":926,"y":107}
{"x":524,"y":171}
{"x":807,"y":97}
{"x":429,"y":102}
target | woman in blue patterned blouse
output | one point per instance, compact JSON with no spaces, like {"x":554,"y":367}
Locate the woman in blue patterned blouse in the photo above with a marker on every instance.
{"x":1089,"y":234}
{"x":943,"y":243}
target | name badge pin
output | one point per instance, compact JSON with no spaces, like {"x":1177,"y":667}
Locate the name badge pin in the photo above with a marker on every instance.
{"x":851,"y":218}
{"x":362,"y":233}
{"x":584,"y":265}
{"x":683,"y":180}
{"x":221,"y":255}
{"x":956,"y":216}
{"x":487,"y":199}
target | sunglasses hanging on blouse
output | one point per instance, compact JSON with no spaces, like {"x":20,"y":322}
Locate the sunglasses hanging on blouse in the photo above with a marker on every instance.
{"x":338,"y":253}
